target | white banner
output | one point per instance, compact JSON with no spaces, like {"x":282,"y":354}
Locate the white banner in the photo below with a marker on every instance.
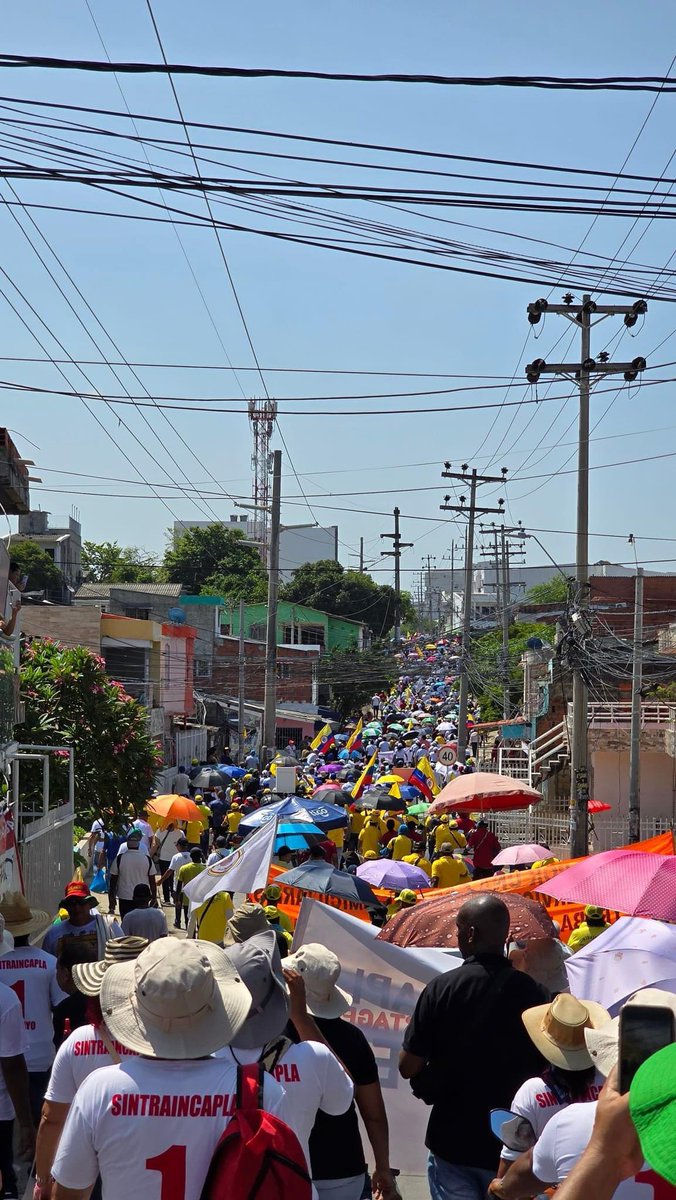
{"x":244,"y":870}
{"x":385,"y":982}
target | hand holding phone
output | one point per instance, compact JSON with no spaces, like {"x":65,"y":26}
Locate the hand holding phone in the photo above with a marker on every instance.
{"x":644,"y":1029}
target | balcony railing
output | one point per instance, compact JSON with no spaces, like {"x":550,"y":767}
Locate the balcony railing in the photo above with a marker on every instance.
{"x":618,"y":715}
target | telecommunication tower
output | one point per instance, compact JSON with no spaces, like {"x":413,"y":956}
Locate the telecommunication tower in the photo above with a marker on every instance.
{"x":262,"y":415}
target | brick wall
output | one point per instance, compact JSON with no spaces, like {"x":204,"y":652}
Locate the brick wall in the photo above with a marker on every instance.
{"x":73,"y":625}
{"x":613,"y":599}
{"x":294,"y":671}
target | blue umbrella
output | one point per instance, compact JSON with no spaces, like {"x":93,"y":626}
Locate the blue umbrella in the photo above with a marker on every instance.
{"x":232,"y":772}
{"x":327,"y":816}
{"x":325,"y":879}
{"x":297,"y":835}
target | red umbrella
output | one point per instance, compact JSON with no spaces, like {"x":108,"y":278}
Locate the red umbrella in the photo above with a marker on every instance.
{"x":626,"y":881}
{"x":484,"y":792}
{"x":433,"y":922}
{"x":596,"y":806}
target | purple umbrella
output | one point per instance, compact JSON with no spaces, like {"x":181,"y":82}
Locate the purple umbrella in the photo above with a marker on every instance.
{"x":385,"y":873}
{"x":331,"y":768}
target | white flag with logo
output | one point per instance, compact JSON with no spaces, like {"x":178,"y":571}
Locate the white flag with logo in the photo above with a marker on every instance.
{"x":244,"y":870}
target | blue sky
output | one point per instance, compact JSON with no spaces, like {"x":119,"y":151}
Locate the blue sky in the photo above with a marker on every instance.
{"x":311,"y":308}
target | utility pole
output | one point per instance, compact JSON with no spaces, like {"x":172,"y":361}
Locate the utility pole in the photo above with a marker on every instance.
{"x":361,"y":555}
{"x":502,"y":553}
{"x":581,"y":372}
{"x":395,"y":553}
{"x":635,"y":741}
{"x":470,"y":511}
{"x":240,"y":682}
{"x":429,"y":558}
{"x":270,"y":695}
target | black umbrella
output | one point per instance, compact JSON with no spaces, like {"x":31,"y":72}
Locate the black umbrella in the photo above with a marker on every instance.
{"x":321,"y":877}
{"x":379,"y":798}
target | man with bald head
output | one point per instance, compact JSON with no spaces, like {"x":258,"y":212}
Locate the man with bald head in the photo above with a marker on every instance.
{"x":466,"y":1051}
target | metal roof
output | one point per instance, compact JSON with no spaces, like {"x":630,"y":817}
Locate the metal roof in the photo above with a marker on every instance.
{"x":101,"y":591}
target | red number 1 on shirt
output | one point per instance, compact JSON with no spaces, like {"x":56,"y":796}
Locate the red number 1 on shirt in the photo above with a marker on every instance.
{"x":19,"y":989}
{"x":171,"y":1166}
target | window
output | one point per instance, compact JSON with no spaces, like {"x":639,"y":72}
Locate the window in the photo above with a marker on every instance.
{"x":138,"y":614}
{"x":258,"y":632}
{"x":201,"y":668}
{"x":288,"y":733}
{"x":283,"y":670}
{"x":166,"y":664}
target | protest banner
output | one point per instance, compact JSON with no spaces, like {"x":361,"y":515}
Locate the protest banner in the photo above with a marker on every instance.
{"x":568,"y":916}
{"x":384,"y":982}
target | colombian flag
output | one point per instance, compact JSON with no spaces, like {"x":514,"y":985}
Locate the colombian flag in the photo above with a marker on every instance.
{"x":366,"y":778}
{"x":418,"y":780}
{"x":319,"y":738}
{"x":424,"y":766}
{"x":327,"y":744}
{"x":355,"y":740}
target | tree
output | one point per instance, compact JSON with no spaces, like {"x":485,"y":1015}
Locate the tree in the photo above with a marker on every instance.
{"x":107,"y":562}
{"x":554,"y":591}
{"x":70,"y":701}
{"x":487,"y":669}
{"x":328,"y":586}
{"x":37,"y":564}
{"x":216,"y":560}
{"x":354,"y":675}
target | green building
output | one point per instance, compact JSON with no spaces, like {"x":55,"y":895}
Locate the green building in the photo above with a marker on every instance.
{"x":296,"y":626}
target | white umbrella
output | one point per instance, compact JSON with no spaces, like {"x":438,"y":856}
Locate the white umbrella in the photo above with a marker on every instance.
{"x":633,"y":953}
{"x":445,"y":726}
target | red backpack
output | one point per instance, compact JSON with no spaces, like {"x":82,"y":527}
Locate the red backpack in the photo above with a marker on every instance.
{"x":258,"y":1156}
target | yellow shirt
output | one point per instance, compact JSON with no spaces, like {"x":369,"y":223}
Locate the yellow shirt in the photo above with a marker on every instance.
{"x":195,"y":828}
{"x":448,"y":871}
{"x":233,"y":818}
{"x":212,"y":917}
{"x":357,"y":820}
{"x":337,"y":836}
{"x":400,"y":846}
{"x":369,"y":838}
{"x":187,"y":872}
{"x":417,"y":860}
{"x":443,"y":834}
{"x":583,"y":935}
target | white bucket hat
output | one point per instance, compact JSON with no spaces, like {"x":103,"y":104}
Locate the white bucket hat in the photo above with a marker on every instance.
{"x":320,"y":969}
{"x":178,"y":1000}
{"x":6,"y":939}
{"x":604,"y":1044}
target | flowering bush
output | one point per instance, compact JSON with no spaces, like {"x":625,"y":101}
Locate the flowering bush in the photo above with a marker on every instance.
{"x":70,"y":701}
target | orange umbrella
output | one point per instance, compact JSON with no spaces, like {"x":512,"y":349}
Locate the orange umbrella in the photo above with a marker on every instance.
{"x":484,"y":791}
{"x":174,"y":808}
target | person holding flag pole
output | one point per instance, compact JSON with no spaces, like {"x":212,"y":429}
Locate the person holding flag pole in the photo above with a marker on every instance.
{"x":320,"y":737}
{"x":355,"y":740}
{"x":366,"y":778}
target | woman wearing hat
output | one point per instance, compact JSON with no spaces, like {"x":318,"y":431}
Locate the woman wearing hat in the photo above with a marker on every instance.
{"x":558,"y":1031}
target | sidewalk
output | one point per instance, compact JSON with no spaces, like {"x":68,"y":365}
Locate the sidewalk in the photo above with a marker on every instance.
{"x":414,"y":1187}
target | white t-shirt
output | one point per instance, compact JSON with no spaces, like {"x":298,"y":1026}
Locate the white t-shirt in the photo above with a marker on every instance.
{"x":12,"y":1042}
{"x":179,"y":860}
{"x":149,"y":1122}
{"x":166,"y":843}
{"x":312,"y":1078}
{"x":562,"y":1144}
{"x":182,"y":784}
{"x":149,"y":923}
{"x":216,"y":856}
{"x":536,"y":1101}
{"x":131,"y":868}
{"x":80,"y":1054}
{"x":31,"y":974}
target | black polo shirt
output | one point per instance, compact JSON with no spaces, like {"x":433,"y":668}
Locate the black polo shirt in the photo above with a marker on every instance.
{"x":468,"y":1023}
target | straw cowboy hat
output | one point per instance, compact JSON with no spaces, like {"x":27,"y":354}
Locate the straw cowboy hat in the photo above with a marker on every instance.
{"x":178,"y":1000}
{"x":604,"y":1044}
{"x":558,"y":1030}
{"x":20,"y":918}
{"x":88,"y":976}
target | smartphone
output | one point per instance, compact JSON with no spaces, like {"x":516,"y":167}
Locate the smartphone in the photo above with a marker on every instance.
{"x":644,"y":1029}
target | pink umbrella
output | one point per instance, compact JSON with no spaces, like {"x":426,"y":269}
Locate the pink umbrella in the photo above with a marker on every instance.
{"x":521,"y":856}
{"x":596,"y":806}
{"x":626,"y":881}
{"x":484,"y":792}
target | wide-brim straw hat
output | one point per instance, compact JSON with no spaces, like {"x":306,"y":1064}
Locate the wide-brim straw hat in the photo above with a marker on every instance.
{"x":20,"y":918}
{"x":558,"y":1030}
{"x":178,"y":1000}
{"x":88,"y":976}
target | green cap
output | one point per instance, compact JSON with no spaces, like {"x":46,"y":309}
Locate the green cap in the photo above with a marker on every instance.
{"x":652,"y":1104}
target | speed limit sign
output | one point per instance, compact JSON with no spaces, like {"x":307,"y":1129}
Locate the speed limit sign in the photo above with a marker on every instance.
{"x":447,"y":755}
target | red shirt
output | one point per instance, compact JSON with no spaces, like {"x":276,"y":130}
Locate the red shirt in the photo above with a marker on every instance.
{"x":485,"y":846}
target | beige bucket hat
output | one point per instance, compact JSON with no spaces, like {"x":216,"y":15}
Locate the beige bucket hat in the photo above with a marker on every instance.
{"x":88,"y":976}
{"x":320,"y":969}
{"x":178,"y":1000}
{"x":558,"y":1030}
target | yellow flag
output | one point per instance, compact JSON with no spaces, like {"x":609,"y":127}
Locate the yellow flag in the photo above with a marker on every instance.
{"x":366,"y":777}
{"x":395,"y":791}
{"x":319,"y":738}
{"x":423,"y":764}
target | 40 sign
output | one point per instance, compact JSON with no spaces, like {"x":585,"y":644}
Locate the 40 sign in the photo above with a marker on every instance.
{"x":448,"y":755}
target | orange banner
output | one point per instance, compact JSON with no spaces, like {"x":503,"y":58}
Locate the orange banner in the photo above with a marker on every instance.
{"x":569,"y":916}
